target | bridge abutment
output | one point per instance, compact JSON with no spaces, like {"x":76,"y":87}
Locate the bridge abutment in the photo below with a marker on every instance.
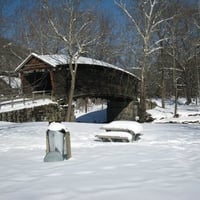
{"x":122,"y":110}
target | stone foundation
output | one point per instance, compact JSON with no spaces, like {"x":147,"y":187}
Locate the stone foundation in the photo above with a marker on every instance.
{"x":118,"y":110}
{"x":50,"y":112}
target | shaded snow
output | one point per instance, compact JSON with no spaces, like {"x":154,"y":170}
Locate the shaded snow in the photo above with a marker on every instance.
{"x":99,"y":116}
{"x":95,"y":114}
{"x":163,"y":165}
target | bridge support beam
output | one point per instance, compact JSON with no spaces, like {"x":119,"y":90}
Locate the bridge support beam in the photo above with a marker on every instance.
{"x":122,"y":110}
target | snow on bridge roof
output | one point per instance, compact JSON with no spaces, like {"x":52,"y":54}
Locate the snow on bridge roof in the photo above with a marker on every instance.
{"x":62,"y":59}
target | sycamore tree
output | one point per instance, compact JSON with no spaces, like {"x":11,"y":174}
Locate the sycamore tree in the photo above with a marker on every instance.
{"x":183,"y":52}
{"x":146,"y":17}
{"x":196,"y":19}
{"x":75,"y":28}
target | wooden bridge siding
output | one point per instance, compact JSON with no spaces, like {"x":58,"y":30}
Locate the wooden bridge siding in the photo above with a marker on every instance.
{"x":105,"y":82}
{"x":95,"y":81}
{"x":61,"y":81}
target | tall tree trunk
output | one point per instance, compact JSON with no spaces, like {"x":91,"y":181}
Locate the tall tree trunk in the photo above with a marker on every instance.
{"x":71,"y":92}
{"x":142,"y":106}
{"x":188,"y":86}
{"x":175,"y":90}
{"x":188,"y":93}
{"x":176,"y":103}
{"x":163,"y":89}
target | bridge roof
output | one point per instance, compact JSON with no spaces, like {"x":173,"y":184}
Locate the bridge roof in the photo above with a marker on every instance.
{"x":62,"y":59}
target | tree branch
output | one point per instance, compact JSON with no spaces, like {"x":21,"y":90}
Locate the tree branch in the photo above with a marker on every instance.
{"x":123,"y":7}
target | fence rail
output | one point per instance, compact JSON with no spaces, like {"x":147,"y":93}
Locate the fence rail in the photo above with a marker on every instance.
{"x":11,"y":101}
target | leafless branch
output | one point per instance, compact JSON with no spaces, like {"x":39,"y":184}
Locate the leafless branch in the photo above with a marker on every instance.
{"x":153,"y":50}
{"x":124,"y":9}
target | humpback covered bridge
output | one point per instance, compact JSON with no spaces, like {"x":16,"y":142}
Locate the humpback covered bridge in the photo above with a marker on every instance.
{"x":50,"y":73}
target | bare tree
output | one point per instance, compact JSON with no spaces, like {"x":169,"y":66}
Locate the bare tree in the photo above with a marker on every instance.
{"x":196,"y":18}
{"x":150,"y":12}
{"x":75,"y":29}
{"x":181,"y":48}
{"x":107,"y":48}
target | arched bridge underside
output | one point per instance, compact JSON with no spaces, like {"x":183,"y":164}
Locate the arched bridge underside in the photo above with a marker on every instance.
{"x":94,"y":78}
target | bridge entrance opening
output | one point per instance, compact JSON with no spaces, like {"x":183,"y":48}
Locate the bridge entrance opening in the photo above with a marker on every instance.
{"x":38,"y":81}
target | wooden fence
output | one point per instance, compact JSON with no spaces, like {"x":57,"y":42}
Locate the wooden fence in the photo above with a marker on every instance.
{"x":11,"y":101}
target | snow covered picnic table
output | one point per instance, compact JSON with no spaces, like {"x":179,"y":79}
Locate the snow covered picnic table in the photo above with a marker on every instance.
{"x":120,"y":131}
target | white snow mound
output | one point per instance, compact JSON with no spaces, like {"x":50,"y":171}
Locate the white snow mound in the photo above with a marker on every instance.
{"x":55,"y":126}
{"x":124,"y":126}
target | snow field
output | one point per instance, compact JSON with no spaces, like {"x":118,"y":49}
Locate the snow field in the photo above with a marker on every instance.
{"x":164,"y":164}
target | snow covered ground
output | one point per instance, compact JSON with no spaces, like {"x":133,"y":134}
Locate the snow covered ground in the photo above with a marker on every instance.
{"x":163,"y":165}
{"x":14,"y":82}
{"x":187,"y":113}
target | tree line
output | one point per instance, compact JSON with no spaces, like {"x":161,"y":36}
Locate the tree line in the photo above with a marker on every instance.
{"x":156,"y":39}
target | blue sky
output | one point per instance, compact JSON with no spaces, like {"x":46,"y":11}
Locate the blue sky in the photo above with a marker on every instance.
{"x":109,"y":7}
{"x":106,"y":5}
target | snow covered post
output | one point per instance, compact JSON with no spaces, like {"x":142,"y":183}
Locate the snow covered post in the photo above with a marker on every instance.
{"x":58,"y":144}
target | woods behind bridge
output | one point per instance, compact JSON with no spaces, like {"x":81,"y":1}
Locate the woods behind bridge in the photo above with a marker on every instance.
{"x":157,"y":40}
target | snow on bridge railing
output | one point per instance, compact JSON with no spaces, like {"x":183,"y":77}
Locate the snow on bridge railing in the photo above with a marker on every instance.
{"x":42,"y":94}
{"x":13,"y":101}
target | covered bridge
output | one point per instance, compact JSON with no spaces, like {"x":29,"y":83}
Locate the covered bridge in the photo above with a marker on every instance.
{"x":50,"y":73}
